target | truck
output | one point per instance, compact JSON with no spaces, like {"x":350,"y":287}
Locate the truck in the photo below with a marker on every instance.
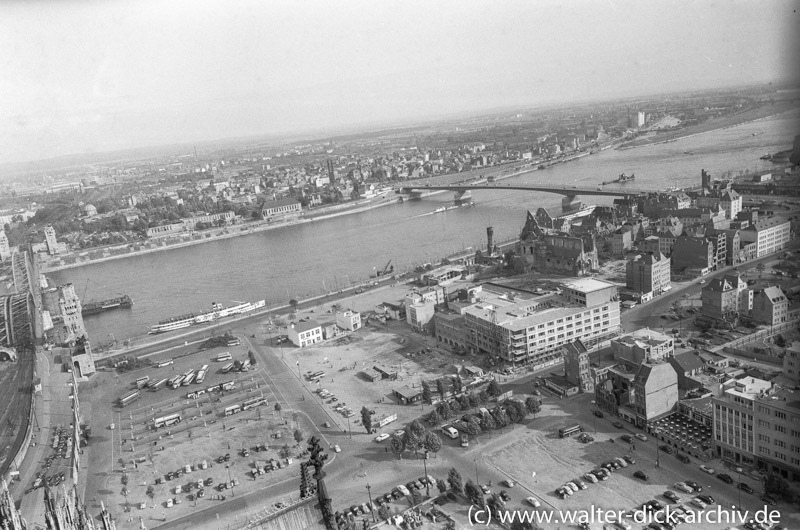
{"x":464,"y":440}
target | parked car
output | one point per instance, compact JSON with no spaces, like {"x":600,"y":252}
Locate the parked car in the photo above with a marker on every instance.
{"x":699,"y":503}
{"x":707,"y":469}
{"x":597,"y":413}
{"x":671,"y":496}
{"x":724,"y":477}
{"x":640,"y":475}
{"x":682,"y":458}
{"x":769,"y":500}
{"x":667,"y":449}
{"x":533,"y":502}
{"x":581,"y":484}
{"x":629,"y":459}
{"x":641,"y":436}
{"x":697,"y":488}
{"x":745,"y":487}
{"x":509,"y":483}
{"x":682,"y":486}
{"x":591,"y":478}
{"x":505,"y":496}
{"x":381,"y":437}
{"x":485,"y":489}
{"x":708,"y":499}
{"x":618,"y":424}
{"x":627,"y":438}
{"x":337,"y":449}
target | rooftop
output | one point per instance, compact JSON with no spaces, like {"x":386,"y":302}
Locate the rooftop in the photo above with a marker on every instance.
{"x":587,"y":285}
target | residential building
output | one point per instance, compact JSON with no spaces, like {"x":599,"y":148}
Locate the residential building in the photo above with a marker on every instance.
{"x":791,"y":363}
{"x":734,"y":419}
{"x":166,"y":230}
{"x":450,"y":330}
{"x":304,"y":333}
{"x":642,"y":346}
{"x":687,"y":365}
{"x":693,"y":254}
{"x":419,"y":310}
{"x":726,"y":298}
{"x":727,"y":200}
{"x":770,"y":235}
{"x":622,"y":240}
{"x":649,"y":273}
{"x":770,"y":306}
{"x":577,"y":367}
{"x":655,"y":391}
{"x":349,"y":320}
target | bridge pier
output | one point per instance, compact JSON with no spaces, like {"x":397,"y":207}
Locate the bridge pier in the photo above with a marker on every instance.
{"x":462,"y":197}
{"x":571,"y":204}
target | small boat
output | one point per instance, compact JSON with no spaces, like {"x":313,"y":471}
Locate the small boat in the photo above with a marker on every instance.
{"x":440,"y":209}
{"x":767,"y":157}
{"x":622,"y":178}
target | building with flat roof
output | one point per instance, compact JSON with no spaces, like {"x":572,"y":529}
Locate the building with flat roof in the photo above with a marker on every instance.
{"x":770,"y":235}
{"x":279,"y":208}
{"x":349,"y":320}
{"x":419,"y":311}
{"x":642,"y":346}
{"x":791,"y":363}
{"x":518,"y":326}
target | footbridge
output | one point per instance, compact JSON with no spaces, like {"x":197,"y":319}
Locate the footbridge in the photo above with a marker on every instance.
{"x":570,"y":202}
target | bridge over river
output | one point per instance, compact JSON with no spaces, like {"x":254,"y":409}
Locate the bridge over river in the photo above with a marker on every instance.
{"x":570,"y":202}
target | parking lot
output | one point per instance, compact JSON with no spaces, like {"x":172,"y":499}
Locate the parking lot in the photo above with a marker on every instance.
{"x":170,"y":449}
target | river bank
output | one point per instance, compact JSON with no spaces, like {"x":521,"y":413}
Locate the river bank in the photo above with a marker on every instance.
{"x":751,"y":116}
{"x":115,"y":252}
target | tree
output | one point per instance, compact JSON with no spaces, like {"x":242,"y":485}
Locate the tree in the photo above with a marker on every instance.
{"x":495,"y":503}
{"x":151,"y":492}
{"x":488,"y":423}
{"x":426,"y":392}
{"x":473,"y":400}
{"x":285,"y":451}
{"x":473,"y":428}
{"x":434,"y":418}
{"x":776,"y":485}
{"x":463,"y":403}
{"x":252,"y":357}
{"x":416,"y":497}
{"x":458,"y":384}
{"x":411,"y":441}
{"x":384,"y":512}
{"x":397,"y":446}
{"x":417,"y":429}
{"x":473,"y":493}
{"x":278,"y":409}
{"x":444,"y":410}
{"x":366,"y":419}
{"x":532,"y":405}
{"x":293,"y":304}
{"x":298,"y":435}
{"x":454,"y":480}
{"x":441,"y":485}
{"x":500,"y":417}
{"x":760,"y":268}
{"x":440,"y":387}
{"x":494,"y":388}
{"x":483,"y":397}
{"x":432,"y":443}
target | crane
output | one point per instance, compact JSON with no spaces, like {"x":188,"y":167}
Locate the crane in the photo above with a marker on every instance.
{"x":386,"y":269}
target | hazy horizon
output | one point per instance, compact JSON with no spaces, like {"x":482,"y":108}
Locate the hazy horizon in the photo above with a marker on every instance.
{"x":90,"y":77}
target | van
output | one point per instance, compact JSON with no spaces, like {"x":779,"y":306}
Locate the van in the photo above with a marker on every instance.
{"x":169,"y":503}
{"x":451,"y":432}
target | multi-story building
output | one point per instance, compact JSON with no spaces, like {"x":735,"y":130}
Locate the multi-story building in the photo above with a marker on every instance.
{"x":770,"y":306}
{"x":50,"y":240}
{"x":727,"y":200}
{"x":642,"y":346}
{"x":695,"y":254}
{"x":419,"y":310}
{"x":758,"y":423}
{"x":726,"y":298}
{"x":791,"y":363}
{"x":734,"y":419}
{"x":655,"y":391}
{"x":521,"y":327}
{"x":272,"y":209}
{"x":621,"y":240}
{"x":349,"y":320}
{"x":770,"y":235}
{"x":64,"y":310}
{"x":649,"y":273}
{"x":304,"y":333}
{"x":577,"y":368}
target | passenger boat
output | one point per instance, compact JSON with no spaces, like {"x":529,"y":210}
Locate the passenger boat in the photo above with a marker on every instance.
{"x":217,"y":312}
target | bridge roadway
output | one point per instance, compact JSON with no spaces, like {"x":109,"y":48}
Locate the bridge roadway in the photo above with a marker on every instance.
{"x":567,"y":191}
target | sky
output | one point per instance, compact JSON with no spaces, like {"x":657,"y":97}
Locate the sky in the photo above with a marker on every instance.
{"x":93,"y":76}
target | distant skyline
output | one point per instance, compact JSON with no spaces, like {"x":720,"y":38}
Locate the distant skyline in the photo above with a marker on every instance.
{"x":92,"y":76}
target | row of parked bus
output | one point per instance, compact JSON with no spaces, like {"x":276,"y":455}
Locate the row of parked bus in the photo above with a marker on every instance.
{"x":247,"y":405}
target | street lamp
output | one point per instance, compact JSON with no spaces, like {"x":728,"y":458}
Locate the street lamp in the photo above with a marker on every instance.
{"x":348,"y":428}
{"x":654,"y":432}
{"x":739,"y":486}
{"x":230,"y":480}
{"x":369,"y":494}
{"x":427,"y":482}
{"x":478,"y":482}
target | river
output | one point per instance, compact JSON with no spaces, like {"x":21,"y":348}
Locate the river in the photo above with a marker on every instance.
{"x":301,"y":260}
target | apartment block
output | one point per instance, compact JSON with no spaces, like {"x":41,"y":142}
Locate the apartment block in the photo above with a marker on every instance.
{"x":726,"y":298}
{"x":770,"y":235}
{"x":770,"y":306}
{"x":649,"y":273}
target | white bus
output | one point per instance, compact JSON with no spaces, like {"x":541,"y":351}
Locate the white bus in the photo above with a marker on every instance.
{"x":176,"y":381}
{"x":252,"y":403}
{"x":142,"y":382}
{"x":227,"y":368}
{"x":233,"y":409}
{"x":167,"y":421}
{"x":222,"y":357}
{"x":127,"y":399}
{"x":162,"y":364}
{"x":158,"y":385}
{"x":188,"y":379}
{"x":201,"y":375}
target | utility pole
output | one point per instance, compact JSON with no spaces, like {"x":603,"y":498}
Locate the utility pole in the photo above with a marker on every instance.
{"x":369,"y":494}
{"x":427,"y":481}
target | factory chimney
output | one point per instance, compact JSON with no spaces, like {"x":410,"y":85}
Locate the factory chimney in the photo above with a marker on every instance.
{"x":489,"y":235}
